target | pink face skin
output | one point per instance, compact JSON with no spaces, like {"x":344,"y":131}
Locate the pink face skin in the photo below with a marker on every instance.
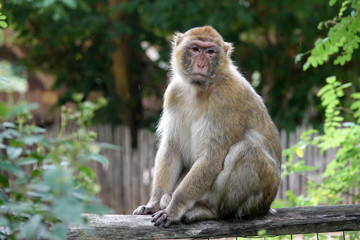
{"x":203,"y":57}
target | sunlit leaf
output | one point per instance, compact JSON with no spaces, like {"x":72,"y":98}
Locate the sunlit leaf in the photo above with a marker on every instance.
{"x":299,"y":153}
{"x":3,"y":24}
{"x":87,"y":171}
{"x":356,"y":95}
{"x":332,"y":2}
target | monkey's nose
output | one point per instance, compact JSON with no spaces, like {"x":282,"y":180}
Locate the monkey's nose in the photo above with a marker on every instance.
{"x":200,"y":65}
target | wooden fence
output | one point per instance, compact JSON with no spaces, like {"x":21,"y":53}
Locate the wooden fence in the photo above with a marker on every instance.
{"x":125,"y":183}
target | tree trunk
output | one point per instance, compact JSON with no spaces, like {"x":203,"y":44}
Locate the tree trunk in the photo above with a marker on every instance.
{"x":120,"y":66}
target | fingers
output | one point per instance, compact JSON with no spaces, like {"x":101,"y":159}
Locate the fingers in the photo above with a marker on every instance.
{"x":161,"y":219}
{"x":143,"y":210}
{"x":139,"y":211}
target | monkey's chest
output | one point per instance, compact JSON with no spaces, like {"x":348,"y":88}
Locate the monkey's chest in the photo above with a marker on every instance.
{"x":191,"y":139}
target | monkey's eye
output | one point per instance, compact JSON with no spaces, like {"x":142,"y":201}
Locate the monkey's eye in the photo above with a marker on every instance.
{"x":210,"y":52}
{"x":194,"y":49}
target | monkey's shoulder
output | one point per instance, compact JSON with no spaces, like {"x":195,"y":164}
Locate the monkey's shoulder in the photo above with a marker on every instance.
{"x":173,"y":94}
{"x":180,"y":94}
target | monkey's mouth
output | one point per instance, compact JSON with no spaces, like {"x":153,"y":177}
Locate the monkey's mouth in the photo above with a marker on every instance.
{"x":198,"y":77}
{"x":198,"y":82}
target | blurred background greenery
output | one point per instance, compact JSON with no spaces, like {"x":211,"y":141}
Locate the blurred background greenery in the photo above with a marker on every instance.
{"x":120,"y":50}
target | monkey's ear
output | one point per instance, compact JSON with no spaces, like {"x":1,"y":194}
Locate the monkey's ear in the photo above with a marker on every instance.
{"x":177,"y":38}
{"x":228,"y":47}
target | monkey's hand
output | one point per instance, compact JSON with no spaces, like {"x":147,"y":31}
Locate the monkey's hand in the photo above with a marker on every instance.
{"x":143,"y":210}
{"x":162,"y":219}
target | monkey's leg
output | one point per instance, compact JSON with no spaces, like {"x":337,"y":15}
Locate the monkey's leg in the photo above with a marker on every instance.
{"x":248,"y":183}
{"x":200,"y":211}
{"x":167,"y":171}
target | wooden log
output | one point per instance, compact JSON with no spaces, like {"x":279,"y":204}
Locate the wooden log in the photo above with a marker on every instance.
{"x":283,"y":222}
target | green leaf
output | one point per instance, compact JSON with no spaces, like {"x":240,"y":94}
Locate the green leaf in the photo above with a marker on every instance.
{"x":332,"y":2}
{"x":109,"y":146}
{"x":22,"y":108}
{"x":30,"y":228}
{"x":13,"y":152}
{"x":3,"y":24}
{"x":32,"y":139}
{"x":298,"y":57}
{"x":338,"y":119}
{"x":58,"y":179}
{"x":99,"y":158}
{"x":60,"y":230}
{"x":26,"y":161}
{"x":355,"y":105}
{"x":356,"y":95}
{"x":87,"y":171}
{"x":37,"y":129}
{"x":357,"y":114}
{"x":12,"y":168}
{"x":8,"y":125}
{"x":323,"y":90}
{"x":68,"y":209}
{"x":306,"y":66}
{"x":10,"y":134}
{"x":331,"y":79}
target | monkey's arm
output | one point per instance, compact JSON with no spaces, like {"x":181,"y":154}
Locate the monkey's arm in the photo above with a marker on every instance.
{"x":195,"y":183}
{"x":167,"y":170}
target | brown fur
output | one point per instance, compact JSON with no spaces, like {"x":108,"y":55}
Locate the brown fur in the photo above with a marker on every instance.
{"x":219,"y":154}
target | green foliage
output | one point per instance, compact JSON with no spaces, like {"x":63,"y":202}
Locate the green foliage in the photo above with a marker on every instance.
{"x":343,"y":37}
{"x":341,"y":130}
{"x":341,"y":174}
{"x":45,"y":183}
{"x":3,"y":24}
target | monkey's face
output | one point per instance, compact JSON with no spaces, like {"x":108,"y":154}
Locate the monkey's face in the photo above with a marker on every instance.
{"x":200,"y":55}
{"x":200,"y":59}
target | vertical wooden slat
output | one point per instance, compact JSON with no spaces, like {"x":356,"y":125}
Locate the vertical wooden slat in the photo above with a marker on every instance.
{"x":128,"y":188}
{"x":143,"y":149}
{"x":117,"y":168}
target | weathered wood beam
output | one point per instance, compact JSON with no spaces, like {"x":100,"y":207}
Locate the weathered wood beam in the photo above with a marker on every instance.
{"x":285,"y":221}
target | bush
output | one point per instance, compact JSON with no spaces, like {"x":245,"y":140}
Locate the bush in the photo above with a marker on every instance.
{"x":342,"y":119}
{"x":58,"y":185}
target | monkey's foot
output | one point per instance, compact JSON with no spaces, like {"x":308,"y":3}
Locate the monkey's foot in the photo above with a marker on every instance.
{"x":143,"y":210}
{"x":199,"y":212}
{"x":162,"y":219}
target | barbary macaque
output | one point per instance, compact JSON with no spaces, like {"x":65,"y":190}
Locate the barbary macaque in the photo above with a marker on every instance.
{"x":219,"y":154}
